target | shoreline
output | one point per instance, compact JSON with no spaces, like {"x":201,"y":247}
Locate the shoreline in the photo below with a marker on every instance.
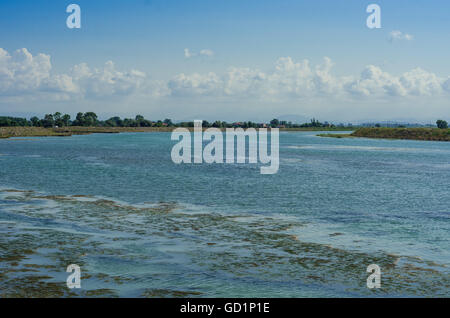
{"x":424,"y":134}
{"x":8,"y":132}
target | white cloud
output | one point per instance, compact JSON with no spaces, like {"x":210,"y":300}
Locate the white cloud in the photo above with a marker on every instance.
{"x":243,"y":81}
{"x":290,"y":80}
{"x":107,"y":81}
{"x":420,"y":82}
{"x":21,"y":72}
{"x":27,"y":77}
{"x":205,"y":53}
{"x":399,"y":36}
{"x":375,"y":82}
{"x":195,"y":84}
{"x":187,"y":53}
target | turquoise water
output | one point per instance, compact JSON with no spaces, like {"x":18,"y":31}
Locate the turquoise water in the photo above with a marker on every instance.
{"x":141,"y":226}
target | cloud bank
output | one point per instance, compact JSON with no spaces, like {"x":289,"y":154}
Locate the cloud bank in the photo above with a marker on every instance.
{"x":299,"y":80}
{"x":27,"y":76}
{"x":24,"y":77}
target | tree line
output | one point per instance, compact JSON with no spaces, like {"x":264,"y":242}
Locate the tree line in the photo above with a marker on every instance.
{"x":90,"y":119}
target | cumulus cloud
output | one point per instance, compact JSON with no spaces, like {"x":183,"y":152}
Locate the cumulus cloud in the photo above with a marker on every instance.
{"x":195,"y":84}
{"x":287,"y":79}
{"x":290,"y":79}
{"x":375,"y":82}
{"x":243,"y":81}
{"x":106,"y":81}
{"x":399,"y":36}
{"x":23,"y":75}
{"x":420,"y":82}
{"x":21,"y":72}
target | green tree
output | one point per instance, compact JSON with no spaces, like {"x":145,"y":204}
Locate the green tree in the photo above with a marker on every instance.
{"x":139,"y":119}
{"x":217,"y":124}
{"x":65,"y":120}
{"x":58,"y":119}
{"x":48,"y":121}
{"x":128,"y":122}
{"x":441,"y":124}
{"x":5,"y":122}
{"x":274,"y":122}
{"x":114,"y":122}
{"x":35,"y":122}
{"x":90,"y":119}
{"x":78,"y":120}
{"x":168,"y":122}
{"x":142,"y":122}
{"x":13,"y":121}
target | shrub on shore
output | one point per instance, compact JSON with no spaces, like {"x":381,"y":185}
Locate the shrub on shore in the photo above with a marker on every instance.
{"x":404,"y":133}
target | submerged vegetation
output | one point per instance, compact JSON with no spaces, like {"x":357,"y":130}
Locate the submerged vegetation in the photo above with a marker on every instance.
{"x":268,"y":251}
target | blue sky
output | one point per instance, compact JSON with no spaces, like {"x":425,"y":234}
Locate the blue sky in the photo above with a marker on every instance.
{"x":245,"y":61}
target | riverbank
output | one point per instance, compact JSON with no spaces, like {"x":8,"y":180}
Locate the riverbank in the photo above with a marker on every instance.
{"x":431,"y":134}
{"x":7,"y":132}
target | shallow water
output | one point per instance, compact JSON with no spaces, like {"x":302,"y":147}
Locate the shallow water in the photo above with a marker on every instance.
{"x":141,"y":226}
